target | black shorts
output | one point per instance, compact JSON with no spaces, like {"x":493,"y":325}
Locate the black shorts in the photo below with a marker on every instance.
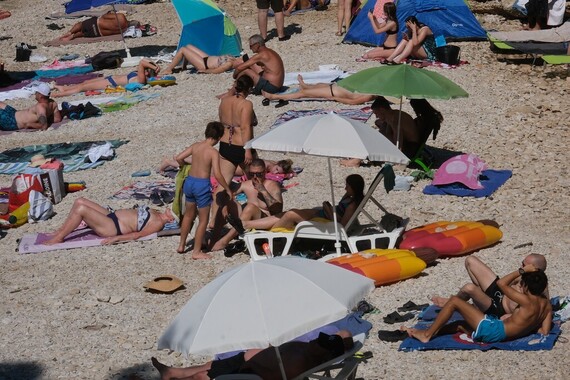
{"x":276,"y":5}
{"x":233,"y":153}
{"x":496,"y":295}
{"x":226,"y":366}
{"x":263,"y":84}
{"x":89,"y":28}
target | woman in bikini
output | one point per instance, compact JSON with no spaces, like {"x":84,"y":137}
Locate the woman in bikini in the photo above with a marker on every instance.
{"x":418,"y":43}
{"x":204,"y":63}
{"x":329,"y":91}
{"x":390,"y":27}
{"x":146,"y":69}
{"x":115,"y":226}
{"x":106,"y":25}
{"x":346,"y":207}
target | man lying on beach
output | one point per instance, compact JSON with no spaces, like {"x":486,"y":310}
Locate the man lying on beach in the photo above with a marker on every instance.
{"x":533,"y":312}
{"x":297,"y":357}
{"x":106,"y":25}
{"x":484,"y":291}
{"x":328,"y":91}
{"x":265,"y":67}
{"x":39,"y":116}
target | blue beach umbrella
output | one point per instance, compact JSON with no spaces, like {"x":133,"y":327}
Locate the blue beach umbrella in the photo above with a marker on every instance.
{"x":207,"y":27}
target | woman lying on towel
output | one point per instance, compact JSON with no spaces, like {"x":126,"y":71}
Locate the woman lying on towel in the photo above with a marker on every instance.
{"x":145,"y":70}
{"x":115,"y":226}
{"x":344,"y":210}
{"x":204,"y":63}
{"x":328,"y":91}
{"x":418,"y":43}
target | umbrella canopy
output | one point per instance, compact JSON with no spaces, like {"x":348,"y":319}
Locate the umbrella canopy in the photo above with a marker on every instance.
{"x":207,"y":27}
{"x":261,"y":303}
{"x":403,"y":80}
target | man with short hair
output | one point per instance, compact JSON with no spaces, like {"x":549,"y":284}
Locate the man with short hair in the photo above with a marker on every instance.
{"x":264,"y":198}
{"x":265,"y":67}
{"x":39,"y":116}
{"x":484,"y":291}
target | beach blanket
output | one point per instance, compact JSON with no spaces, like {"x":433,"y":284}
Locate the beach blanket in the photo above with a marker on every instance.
{"x":126,"y":101}
{"x":490,"y":179}
{"x":312,"y":77}
{"x":84,"y":40}
{"x":362,"y":114}
{"x":81,"y":238}
{"x":159,"y":192}
{"x":462,"y":341}
{"x":17,"y":160}
{"x":93,"y":12}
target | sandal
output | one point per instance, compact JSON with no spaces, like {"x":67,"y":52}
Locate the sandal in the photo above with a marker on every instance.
{"x":396,"y":317}
{"x":392,"y":336}
{"x":410,"y":306}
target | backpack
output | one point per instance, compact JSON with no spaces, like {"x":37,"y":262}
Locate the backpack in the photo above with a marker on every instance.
{"x":105,"y":60}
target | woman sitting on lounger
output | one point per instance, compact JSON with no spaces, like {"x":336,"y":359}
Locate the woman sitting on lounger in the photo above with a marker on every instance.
{"x":115,"y":226}
{"x":146,"y":69}
{"x":204,"y":63}
{"x":344,"y":210}
{"x":329,"y":91}
{"x":390,"y":27}
{"x":418,"y":43}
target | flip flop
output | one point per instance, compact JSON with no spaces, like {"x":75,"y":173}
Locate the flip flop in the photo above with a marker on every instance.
{"x":363,"y":356}
{"x":392,"y":336}
{"x":396,"y":317}
{"x":281,"y":103}
{"x":411,"y":306}
{"x":234,"y":248}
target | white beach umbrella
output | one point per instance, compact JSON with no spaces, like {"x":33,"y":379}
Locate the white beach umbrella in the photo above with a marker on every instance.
{"x":329,"y":135}
{"x":262,"y":303}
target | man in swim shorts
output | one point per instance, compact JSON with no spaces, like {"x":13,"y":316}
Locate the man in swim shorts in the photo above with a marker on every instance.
{"x":265,"y":67}
{"x":39,"y":116}
{"x":106,"y":25}
{"x":262,"y":13}
{"x":484,"y":291}
{"x":533,"y":313}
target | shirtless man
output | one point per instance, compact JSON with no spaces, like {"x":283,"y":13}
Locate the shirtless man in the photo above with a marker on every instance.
{"x":533,"y":312}
{"x":484,"y":291}
{"x":265,"y":67}
{"x":39,"y":116}
{"x":106,"y":25}
{"x":264,"y":198}
{"x":329,"y":91}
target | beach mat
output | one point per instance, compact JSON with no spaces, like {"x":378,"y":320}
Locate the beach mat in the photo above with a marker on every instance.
{"x":160,"y":192}
{"x":84,"y":40}
{"x":463,"y":341}
{"x":490,"y":179}
{"x":360,"y":114}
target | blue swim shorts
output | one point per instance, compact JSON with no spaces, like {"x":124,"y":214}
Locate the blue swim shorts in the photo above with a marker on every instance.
{"x":197,"y":190}
{"x":490,"y":330}
{"x":8,"y":119}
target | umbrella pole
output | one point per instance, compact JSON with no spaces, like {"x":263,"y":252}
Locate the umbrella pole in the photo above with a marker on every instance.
{"x":121,"y":31}
{"x":399,"y":119}
{"x":280,"y":360}
{"x":336,"y":234}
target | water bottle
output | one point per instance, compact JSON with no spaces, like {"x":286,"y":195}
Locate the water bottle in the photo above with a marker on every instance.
{"x":266,"y":250}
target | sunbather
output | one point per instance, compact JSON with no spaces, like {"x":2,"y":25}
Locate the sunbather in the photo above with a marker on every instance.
{"x":418,"y":43}
{"x":390,"y":27}
{"x":106,"y":25}
{"x":344,"y":210}
{"x":39,"y":116}
{"x":297,"y":357}
{"x":115,"y":226}
{"x":534,"y":312}
{"x":145,"y":70}
{"x":204,"y":63}
{"x":329,"y":91}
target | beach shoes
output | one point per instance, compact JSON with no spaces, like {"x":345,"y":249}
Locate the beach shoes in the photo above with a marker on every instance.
{"x":396,"y":317}
{"x":410,"y":306}
{"x":233,"y":248}
{"x":364,"y":307}
{"x":363,"y":356}
{"x":392,"y":336}
{"x":285,"y":38}
{"x":281,"y":103}
{"x":265,"y":102}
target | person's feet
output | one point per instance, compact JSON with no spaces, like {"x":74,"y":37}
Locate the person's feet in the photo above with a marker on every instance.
{"x":420,"y":335}
{"x":439,"y":301}
{"x":162,"y":369}
{"x":268,"y":95}
{"x":200,"y":255}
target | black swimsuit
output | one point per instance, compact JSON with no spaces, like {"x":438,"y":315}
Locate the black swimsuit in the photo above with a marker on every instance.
{"x":206,"y":62}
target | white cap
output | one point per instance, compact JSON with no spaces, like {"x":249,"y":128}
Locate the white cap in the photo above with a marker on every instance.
{"x":44,"y":89}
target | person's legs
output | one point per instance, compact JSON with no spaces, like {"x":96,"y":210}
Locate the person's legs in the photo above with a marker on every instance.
{"x":227,"y":207}
{"x":340,"y":16}
{"x":347,"y":14}
{"x":262,"y":22}
{"x":91,"y":84}
{"x":203,"y":216}
{"x":183,"y":53}
{"x":74,"y":32}
{"x":406,"y":52}
{"x":399,"y":49}
{"x":480,"y":274}
{"x":186,"y":225}
{"x":265,"y":223}
{"x":170,"y":373}
{"x":295,"y":216}
{"x":280,"y":24}
{"x":228,"y":170}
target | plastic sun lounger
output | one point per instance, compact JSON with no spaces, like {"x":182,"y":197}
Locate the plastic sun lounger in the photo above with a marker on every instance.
{"x":356,"y":236}
{"x":556,"y":59}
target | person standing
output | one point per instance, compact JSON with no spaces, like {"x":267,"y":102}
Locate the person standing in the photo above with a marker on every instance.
{"x":262,"y":11}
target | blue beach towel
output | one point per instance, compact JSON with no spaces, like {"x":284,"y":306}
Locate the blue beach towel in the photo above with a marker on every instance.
{"x":490,"y":179}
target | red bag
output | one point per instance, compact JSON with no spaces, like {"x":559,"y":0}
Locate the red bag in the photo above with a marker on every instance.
{"x":22,"y":184}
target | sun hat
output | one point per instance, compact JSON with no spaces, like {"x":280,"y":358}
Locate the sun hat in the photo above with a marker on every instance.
{"x":39,"y":160}
{"x":44,"y":89}
{"x":164,"y":284}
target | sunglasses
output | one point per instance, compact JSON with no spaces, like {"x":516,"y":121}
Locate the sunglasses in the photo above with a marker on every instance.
{"x":256,"y":174}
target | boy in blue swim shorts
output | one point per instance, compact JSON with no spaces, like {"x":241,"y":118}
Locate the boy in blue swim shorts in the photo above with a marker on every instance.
{"x":533,"y":314}
{"x":205,"y":160}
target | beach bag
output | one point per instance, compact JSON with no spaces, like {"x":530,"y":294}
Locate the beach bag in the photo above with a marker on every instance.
{"x":22,"y":185}
{"x":52,"y":183}
{"x":41,"y":208}
{"x":105,"y":60}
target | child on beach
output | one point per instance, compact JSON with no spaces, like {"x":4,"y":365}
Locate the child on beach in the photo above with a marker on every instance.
{"x":205,"y":160}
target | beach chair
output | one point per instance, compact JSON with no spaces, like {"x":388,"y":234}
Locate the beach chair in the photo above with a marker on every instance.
{"x":356,"y":236}
{"x":342,"y":368}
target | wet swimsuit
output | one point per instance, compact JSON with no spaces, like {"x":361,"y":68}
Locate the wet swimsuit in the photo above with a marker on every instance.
{"x":263,"y":84}
{"x":8,"y":119}
{"x":489,"y":330}
{"x":115,"y":220}
{"x":197,"y":190}
{"x":233,"y":153}
{"x":494,"y":292}
{"x":89,"y":28}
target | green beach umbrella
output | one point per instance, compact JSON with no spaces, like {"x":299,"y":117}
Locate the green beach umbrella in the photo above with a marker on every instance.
{"x":402,"y":80}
